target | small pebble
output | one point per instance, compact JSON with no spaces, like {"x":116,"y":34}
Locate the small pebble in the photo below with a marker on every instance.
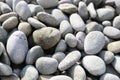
{"x":106,"y":23}
{"x":60,"y":77}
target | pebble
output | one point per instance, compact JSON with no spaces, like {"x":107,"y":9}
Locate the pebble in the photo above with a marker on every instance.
{"x":109,"y":76}
{"x":45,"y":77}
{"x":3,"y":35}
{"x":65,"y":28}
{"x":106,"y":23}
{"x":114,"y":47}
{"x":117,"y":4}
{"x":82,"y":10}
{"x":60,"y":77}
{"x":5,"y":8}
{"x":14,"y":3}
{"x":70,"y":40}
{"x":93,"y":26}
{"x":116,"y":22}
{"x":116,"y":64}
{"x":23,"y":10}
{"x":25,"y":27}
{"x":17,"y":44}
{"x":61,"y":17}
{"x":9,"y":2}
{"x":80,"y":36}
{"x":48,"y":37}
{"x":105,"y":14}
{"x":47,"y":3}
{"x":68,"y":8}
{"x":77,"y":22}
{"x":61,"y":46}
{"x":47,"y":18}
{"x":69,"y":60}
{"x":94,"y":65}
{"x":107,"y":56}
{"x":46,"y":65}
{"x":5,"y":70}
{"x":35,"y":23}
{"x":59,"y":56}
{"x":5,"y":16}
{"x":33,"y":54}
{"x":107,"y":41}
{"x":10,"y":23}
{"x":112,"y":32}
{"x":91,"y":10}
{"x":64,"y":1}
{"x":29,"y":72}
{"x":94,"y":42}
{"x":77,"y":72}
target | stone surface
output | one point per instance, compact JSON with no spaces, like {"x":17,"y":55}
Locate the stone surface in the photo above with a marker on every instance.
{"x":48,"y":37}
{"x":77,"y":22}
{"x":3,"y":35}
{"x":94,"y":42}
{"x":60,"y":77}
{"x":117,"y":3}
{"x":17,"y":44}
{"x":5,"y":8}
{"x":46,"y":65}
{"x":33,"y":54}
{"x":69,"y":60}
{"x":94,"y":65}
{"x":116,"y":22}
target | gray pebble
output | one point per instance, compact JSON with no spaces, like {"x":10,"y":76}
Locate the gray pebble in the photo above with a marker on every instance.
{"x":94,"y":65}
{"x":25,"y":27}
{"x":117,"y":4}
{"x":47,"y":3}
{"x":5,"y":8}
{"x":107,"y":41}
{"x":17,"y":44}
{"x":61,"y":17}
{"x":77,"y":72}
{"x":65,"y":28}
{"x":9,"y":2}
{"x":105,"y":14}
{"x":77,"y":22}
{"x":76,"y":2}
{"x":93,"y":26}
{"x":48,"y":37}
{"x":3,"y":35}
{"x":60,"y":77}
{"x":94,"y":42}
{"x":45,"y":77}
{"x":91,"y":10}
{"x":107,"y":56}
{"x":33,"y":54}
{"x":64,"y":1}
{"x":70,"y":40}
{"x":109,"y":76}
{"x":59,"y":56}
{"x":116,"y":22}
{"x":112,"y":32}
{"x":46,"y":65}
{"x":10,"y":23}
{"x":29,"y":72}
{"x":5,"y":16}
{"x":61,"y":46}
{"x":23,"y":10}
{"x":68,"y":8}
{"x":35,"y":23}
{"x":82,"y":10}
{"x":14,"y":3}
{"x":80,"y":36}
{"x":5,"y":70}
{"x":116,"y":64}
{"x":47,"y":18}
{"x":69,"y":60}
{"x":106,"y":23}
{"x":114,"y":47}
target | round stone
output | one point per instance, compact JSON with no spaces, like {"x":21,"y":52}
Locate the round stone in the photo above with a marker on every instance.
{"x":116,"y":22}
{"x":94,"y":65}
{"x":60,"y":77}
{"x":29,"y":72}
{"x":94,"y":42}
{"x":106,"y":23}
{"x":46,"y":65}
{"x":107,"y":56}
{"x":46,"y":37}
{"x":71,"y":40}
{"x":17,"y":47}
{"x":25,"y":27}
{"x":109,"y":76}
{"x":47,"y":3}
{"x":69,"y":60}
{"x":10,"y":23}
{"x":33,"y":54}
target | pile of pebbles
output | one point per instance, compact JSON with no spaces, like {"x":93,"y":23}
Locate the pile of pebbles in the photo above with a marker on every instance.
{"x":59,"y":39}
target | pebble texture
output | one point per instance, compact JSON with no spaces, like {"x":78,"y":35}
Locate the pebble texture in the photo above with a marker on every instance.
{"x":60,"y":77}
